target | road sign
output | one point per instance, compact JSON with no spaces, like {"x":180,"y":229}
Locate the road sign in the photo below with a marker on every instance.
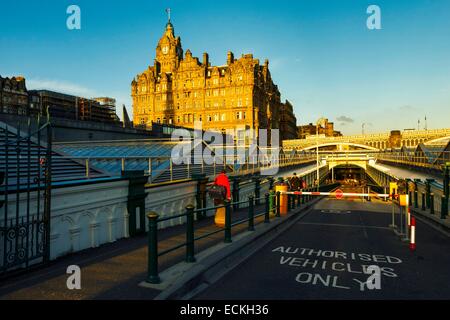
{"x":393,"y":187}
{"x":339,"y":194}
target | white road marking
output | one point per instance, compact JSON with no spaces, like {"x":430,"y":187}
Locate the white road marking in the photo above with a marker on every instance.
{"x":342,"y":225}
{"x":336,"y":211}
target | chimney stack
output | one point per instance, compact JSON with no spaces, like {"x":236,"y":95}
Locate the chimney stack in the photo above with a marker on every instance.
{"x":230,"y":58}
{"x":205,"y":59}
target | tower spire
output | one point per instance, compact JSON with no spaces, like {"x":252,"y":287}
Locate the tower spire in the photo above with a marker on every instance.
{"x":168,"y":14}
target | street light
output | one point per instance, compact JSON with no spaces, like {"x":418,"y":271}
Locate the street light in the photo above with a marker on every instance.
{"x":320,"y":122}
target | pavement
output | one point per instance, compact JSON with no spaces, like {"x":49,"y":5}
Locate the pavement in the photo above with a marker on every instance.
{"x":114,"y":271}
{"x":325,"y":256}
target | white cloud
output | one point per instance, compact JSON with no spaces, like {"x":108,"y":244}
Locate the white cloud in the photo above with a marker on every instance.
{"x":61,"y":86}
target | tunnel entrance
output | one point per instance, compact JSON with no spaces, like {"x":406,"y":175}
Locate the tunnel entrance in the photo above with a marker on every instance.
{"x":349,"y":175}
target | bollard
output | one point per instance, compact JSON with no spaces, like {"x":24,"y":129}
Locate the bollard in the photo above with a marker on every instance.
{"x":272,"y":202}
{"x":431,"y":203}
{"x":412,"y":244}
{"x":190,"y":250}
{"x":227,"y":221}
{"x":410,"y":198}
{"x":152,"y":267}
{"x":278,"y":205}
{"x":444,"y":207}
{"x":251,"y":214}
{"x":257,"y":181}
{"x":416,"y":199}
{"x":267,"y":211}
{"x":423,"y":201}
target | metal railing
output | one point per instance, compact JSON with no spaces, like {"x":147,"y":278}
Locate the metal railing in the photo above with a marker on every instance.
{"x":271,"y":210}
{"x":162,"y":168}
{"x":429,"y":160}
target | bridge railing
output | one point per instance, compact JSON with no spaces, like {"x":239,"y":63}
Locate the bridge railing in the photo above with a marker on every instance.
{"x":163,"y":169}
{"x":429,"y":160}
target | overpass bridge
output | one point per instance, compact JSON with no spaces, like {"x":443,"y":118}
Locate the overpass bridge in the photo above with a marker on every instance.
{"x":375,"y":141}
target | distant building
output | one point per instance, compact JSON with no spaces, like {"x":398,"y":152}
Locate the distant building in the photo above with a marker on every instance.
{"x":288,"y":122}
{"x":310,"y":129}
{"x":67,"y":106}
{"x":13,"y":96}
{"x":109,"y":108}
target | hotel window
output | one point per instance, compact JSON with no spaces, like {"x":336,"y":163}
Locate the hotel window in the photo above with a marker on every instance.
{"x":216,"y":81}
{"x":239,"y":103}
{"x":224,"y":117}
{"x":216,"y":93}
{"x":216,"y":117}
{"x":178,"y":119}
{"x":209,"y":118}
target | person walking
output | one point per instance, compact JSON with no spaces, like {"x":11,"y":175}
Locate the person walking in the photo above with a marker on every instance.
{"x":295,"y":182}
{"x":221,"y":181}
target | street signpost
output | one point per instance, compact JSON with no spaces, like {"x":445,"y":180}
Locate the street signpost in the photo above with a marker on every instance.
{"x":339,"y":194}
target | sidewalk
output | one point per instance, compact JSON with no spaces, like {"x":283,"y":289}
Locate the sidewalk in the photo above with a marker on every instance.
{"x":113,"y":271}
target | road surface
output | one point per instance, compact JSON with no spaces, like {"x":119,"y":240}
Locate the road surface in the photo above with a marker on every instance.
{"x":325,"y":256}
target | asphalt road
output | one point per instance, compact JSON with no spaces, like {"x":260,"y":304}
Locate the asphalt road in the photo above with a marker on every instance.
{"x":324,"y":256}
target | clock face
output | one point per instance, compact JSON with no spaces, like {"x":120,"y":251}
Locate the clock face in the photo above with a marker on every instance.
{"x":165,"y":49}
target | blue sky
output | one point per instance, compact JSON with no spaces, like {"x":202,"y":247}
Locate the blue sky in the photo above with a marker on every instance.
{"x":322,"y":56}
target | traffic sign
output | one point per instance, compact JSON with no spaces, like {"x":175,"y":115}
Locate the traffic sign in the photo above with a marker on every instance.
{"x":339,"y":194}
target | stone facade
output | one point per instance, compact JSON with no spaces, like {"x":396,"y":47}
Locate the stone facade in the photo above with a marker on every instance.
{"x":13,"y":96}
{"x":288,"y":122}
{"x":179,"y":89}
{"x":310,"y":129}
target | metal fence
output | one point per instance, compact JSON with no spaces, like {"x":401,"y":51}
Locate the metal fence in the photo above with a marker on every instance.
{"x":25,"y":197}
{"x":271,"y":203}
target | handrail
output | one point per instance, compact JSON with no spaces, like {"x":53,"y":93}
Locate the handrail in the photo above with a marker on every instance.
{"x":272,"y":204}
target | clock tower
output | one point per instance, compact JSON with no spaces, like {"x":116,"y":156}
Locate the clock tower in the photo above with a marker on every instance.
{"x":169,"y":51}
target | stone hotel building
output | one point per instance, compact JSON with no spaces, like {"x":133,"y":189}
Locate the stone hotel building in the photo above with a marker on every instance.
{"x":179,"y":89}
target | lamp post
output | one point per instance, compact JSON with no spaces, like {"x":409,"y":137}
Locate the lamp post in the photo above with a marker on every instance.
{"x":320,"y":122}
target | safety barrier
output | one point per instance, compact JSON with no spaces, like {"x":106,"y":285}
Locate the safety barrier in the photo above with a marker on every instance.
{"x":337,"y":194}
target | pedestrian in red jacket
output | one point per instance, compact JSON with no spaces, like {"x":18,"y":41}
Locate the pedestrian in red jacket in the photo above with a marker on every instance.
{"x":222,"y":180}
